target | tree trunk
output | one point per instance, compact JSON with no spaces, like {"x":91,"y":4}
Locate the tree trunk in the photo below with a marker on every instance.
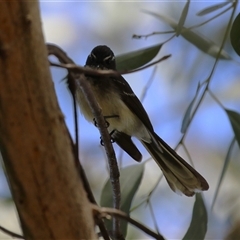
{"x":34,"y":140}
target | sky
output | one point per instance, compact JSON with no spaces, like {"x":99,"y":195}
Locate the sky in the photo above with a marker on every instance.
{"x":78,"y":26}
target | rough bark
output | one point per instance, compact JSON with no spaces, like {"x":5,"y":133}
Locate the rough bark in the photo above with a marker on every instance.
{"x":34,"y":140}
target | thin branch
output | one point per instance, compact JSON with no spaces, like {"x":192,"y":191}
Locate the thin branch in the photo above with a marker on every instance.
{"x":210,"y":76}
{"x":210,"y":19}
{"x":136,"y":36}
{"x":153,"y":216}
{"x":108,"y":73}
{"x":215,"y":98}
{"x":154,"y":187}
{"x":224,"y":169}
{"x":63,"y":58}
{"x":147,"y":66}
{"x":151,"y":34}
{"x":188,"y":154}
{"x":148,"y":84}
{"x":84,"y":86}
{"x":10,"y":233}
{"x":105,"y":212}
{"x":149,"y":194}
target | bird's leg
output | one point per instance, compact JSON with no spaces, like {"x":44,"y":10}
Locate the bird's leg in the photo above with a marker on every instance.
{"x":107,"y":125}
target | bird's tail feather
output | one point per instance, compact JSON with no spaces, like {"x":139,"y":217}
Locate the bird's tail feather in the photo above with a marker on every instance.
{"x":180,"y":176}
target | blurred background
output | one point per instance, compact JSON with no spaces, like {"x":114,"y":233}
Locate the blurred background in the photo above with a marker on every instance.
{"x":77,"y":27}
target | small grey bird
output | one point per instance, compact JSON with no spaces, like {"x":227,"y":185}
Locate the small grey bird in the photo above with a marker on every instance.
{"x":127,"y":118}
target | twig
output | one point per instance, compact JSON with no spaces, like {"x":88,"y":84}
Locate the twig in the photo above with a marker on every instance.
{"x":63,"y":58}
{"x":108,"y":73}
{"x":216,"y":99}
{"x":10,"y":233}
{"x":210,"y":76}
{"x":104,"y":212}
{"x":113,"y":166}
{"x":210,"y":19}
{"x":224,"y":169}
{"x":146,"y":66}
{"x":151,"y":34}
{"x":147,"y":199}
{"x":148,"y":84}
{"x":188,"y":154}
{"x":153,"y":216}
{"x":136,"y":36}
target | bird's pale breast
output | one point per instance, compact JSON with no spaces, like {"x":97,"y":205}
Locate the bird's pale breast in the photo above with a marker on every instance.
{"x":111,"y":105}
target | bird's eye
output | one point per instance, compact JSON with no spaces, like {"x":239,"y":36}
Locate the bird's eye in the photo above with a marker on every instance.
{"x":109,"y":59}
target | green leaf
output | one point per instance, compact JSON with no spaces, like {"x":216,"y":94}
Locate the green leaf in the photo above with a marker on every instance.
{"x":224,"y":169}
{"x":201,"y":42}
{"x":198,"y":226}
{"x":187,"y":116}
{"x":235,"y":34}
{"x":212,"y":8}
{"x":136,"y":59}
{"x":234,"y":118}
{"x":182,"y":18}
{"x":130,"y":179}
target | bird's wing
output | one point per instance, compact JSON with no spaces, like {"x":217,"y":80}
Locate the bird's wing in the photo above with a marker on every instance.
{"x":132,"y":102}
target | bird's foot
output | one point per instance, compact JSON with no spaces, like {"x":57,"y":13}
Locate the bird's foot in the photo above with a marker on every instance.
{"x":105,"y":117}
{"x":112,"y":139}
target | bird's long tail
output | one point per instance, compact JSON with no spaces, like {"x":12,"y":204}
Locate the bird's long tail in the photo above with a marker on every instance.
{"x":180,"y":176}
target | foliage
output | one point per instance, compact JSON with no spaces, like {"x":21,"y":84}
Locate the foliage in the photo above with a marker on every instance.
{"x":131,"y":177}
{"x":199,"y":222}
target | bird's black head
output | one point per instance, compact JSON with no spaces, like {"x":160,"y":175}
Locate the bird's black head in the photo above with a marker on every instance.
{"x":101,"y":57}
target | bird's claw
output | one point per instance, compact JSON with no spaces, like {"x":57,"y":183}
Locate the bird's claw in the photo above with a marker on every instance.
{"x":96,"y":124}
{"x":102,"y":143}
{"x":105,"y":117}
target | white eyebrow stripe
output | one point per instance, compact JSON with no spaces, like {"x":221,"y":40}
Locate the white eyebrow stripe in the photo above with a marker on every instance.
{"x":129,"y":94}
{"x":108,"y":57}
{"x":92,"y":54}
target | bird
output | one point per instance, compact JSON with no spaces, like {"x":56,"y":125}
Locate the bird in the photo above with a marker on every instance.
{"x":127,"y":118}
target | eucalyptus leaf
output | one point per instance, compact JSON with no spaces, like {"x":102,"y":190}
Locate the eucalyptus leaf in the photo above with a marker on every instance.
{"x":224,"y":169}
{"x":198,"y":226}
{"x":187,"y":117}
{"x":136,"y":59}
{"x":130,"y":180}
{"x":234,"y":118}
{"x":198,"y":40}
{"x":212,"y":8}
{"x":182,"y":18}
{"x":235,"y":34}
